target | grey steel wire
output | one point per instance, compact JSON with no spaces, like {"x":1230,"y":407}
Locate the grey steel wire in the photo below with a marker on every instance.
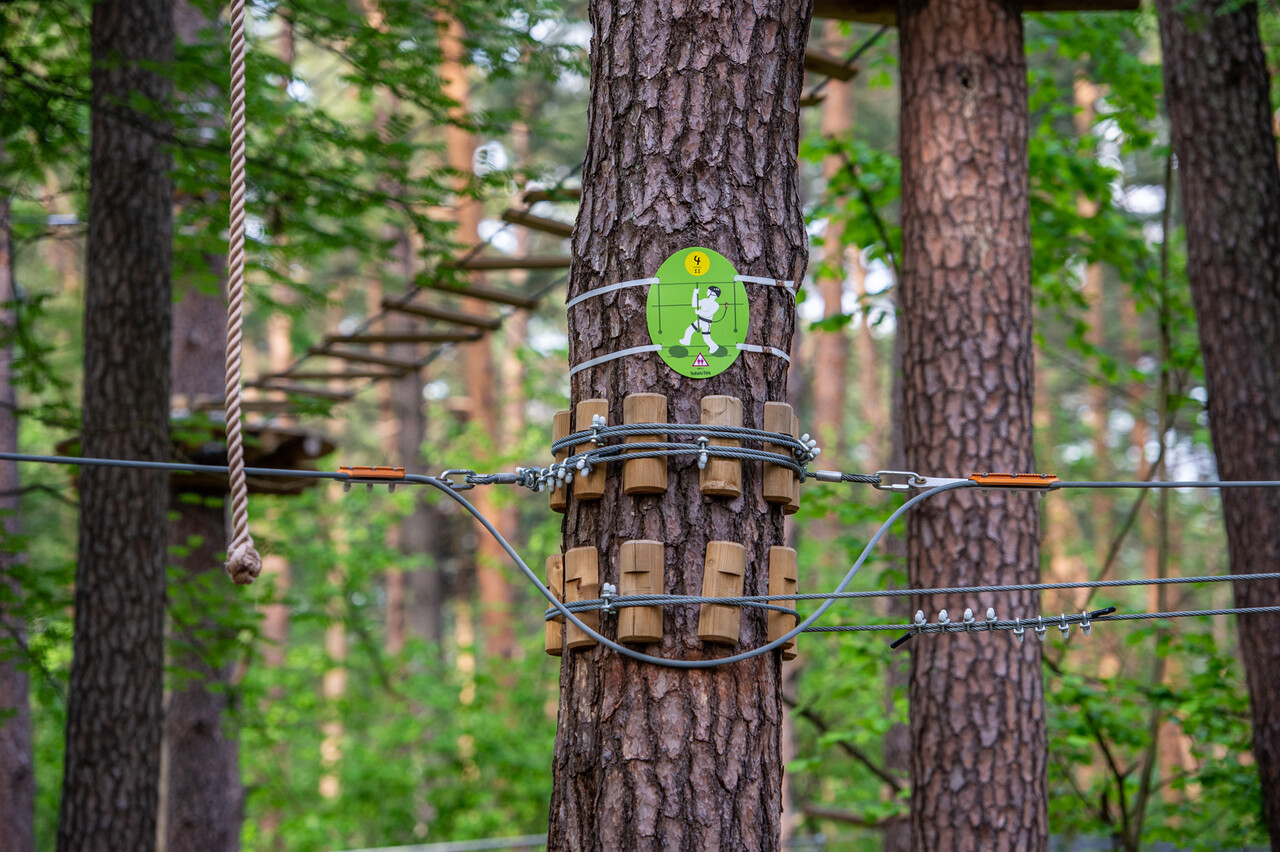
{"x":243,"y":561}
{"x":806,"y":626}
{"x":653,"y":600}
{"x":695,"y":429}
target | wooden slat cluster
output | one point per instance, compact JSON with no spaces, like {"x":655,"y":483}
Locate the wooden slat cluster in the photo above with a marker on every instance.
{"x":444,"y":322}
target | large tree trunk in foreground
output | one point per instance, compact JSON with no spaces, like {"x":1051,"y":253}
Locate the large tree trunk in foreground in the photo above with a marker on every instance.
{"x":693,"y":130}
{"x":111,"y":777}
{"x":1216,"y":87}
{"x":17,"y":773}
{"x":977,"y":704}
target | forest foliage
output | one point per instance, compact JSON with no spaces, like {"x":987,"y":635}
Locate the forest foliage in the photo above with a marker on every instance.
{"x":345,"y":143}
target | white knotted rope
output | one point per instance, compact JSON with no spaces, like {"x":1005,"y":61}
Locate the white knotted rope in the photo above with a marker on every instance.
{"x":243,"y":561}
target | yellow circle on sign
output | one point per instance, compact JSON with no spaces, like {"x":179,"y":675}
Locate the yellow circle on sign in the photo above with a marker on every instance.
{"x":697,"y":263}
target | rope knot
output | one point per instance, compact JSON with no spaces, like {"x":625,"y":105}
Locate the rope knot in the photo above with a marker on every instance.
{"x":243,"y":563}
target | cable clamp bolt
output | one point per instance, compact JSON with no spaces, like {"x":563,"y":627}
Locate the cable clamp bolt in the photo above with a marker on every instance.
{"x":458,"y":486}
{"x":597,"y":421}
{"x":1064,"y":627}
{"x":1040,"y":628}
{"x":968,"y":621}
{"x":943,"y":621}
{"x":702,"y":452}
{"x":1085,"y":624}
{"x":1018,"y":630}
{"x":919,"y":623}
{"x":991,"y":619}
{"x":607,"y":591}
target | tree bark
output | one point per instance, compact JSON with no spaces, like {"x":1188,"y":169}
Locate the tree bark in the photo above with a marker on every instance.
{"x":114,"y":716}
{"x":1216,"y":89}
{"x":693,"y":137}
{"x":17,"y":772}
{"x":203,"y":796}
{"x":977,"y":704}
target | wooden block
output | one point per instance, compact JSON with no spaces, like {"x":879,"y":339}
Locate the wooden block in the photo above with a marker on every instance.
{"x":644,"y":476}
{"x":722,"y":577}
{"x":722,"y":477}
{"x":793,"y":505}
{"x":640,"y":566}
{"x":561,"y":427}
{"x":778,"y":479}
{"x":554,"y":642}
{"x":589,"y":487}
{"x":582,"y":583}
{"x":783,"y":580}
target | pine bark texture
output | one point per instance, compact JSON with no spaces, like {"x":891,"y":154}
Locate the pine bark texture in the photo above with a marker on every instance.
{"x":977,"y":704}
{"x":17,"y":772}
{"x":1216,"y":89}
{"x":693,"y":138}
{"x":203,"y":799}
{"x":114,"y":724}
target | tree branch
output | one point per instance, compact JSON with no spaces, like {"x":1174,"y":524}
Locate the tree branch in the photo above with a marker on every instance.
{"x":849,"y":748}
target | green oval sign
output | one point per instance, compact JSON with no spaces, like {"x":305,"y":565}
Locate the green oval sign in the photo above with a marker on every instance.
{"x":698,"y":313}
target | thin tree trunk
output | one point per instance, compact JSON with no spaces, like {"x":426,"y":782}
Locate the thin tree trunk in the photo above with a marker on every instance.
{"x":497,"y":634}
{"x":1102,"y":509}
{"x":693,"y":137}
{"x":1217,"y":90}
{"x":114,"y":713}
{"x":831,"y":358}
{"x":17,"y":772}
{"x":977,"y":704}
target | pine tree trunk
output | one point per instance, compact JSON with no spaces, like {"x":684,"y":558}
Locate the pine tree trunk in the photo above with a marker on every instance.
{"x":693,"y":138}
{"x":1216,"y":87}
{"x":114,"y":716}
{"x":977,"y":704}
{"x":17,"y":772}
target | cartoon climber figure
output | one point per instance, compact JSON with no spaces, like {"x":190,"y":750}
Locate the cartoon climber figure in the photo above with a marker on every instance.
{"x":706,"y":311}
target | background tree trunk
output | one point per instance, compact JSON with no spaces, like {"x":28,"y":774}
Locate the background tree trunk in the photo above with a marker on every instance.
{"x":497,"y":634}
{"x":1216,"y":87}
{"x":202,"y":799}
{"x":17,"y":773}
{"x":692,"y":142}
{"x":114,"y":723}
{"x":977,"y":705}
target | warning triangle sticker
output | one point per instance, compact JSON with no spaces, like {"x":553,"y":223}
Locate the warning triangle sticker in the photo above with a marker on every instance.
{"x":700,"y":361}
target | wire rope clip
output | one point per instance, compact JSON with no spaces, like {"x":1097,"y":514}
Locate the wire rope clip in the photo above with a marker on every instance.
{"x":1064,"y":627}
{"x":917,"y":626}
{"x":968,"y":621}
{"x":1040,"y":628}
{"x":1085,"y":624}
{"x":991,"y":619}
{"x":466,"y":475}
{"x":1018,"y":630}
{"x":607,"y":593}
{"x":371,"y":476}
